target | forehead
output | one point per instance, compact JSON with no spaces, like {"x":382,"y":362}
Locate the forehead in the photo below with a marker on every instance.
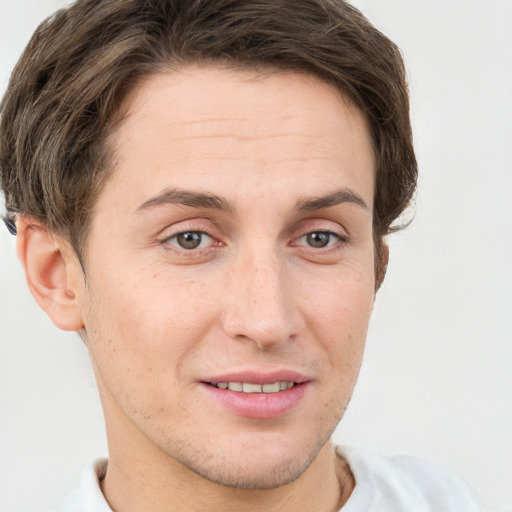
{"x":194,"y":124}
{"x":195,"y":96}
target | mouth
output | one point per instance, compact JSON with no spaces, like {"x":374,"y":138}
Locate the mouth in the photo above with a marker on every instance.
{"x":251,"y":387}
{"x":258,"y":395}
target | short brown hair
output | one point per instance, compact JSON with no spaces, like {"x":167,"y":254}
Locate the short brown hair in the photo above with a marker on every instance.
{"x":67,"y":89}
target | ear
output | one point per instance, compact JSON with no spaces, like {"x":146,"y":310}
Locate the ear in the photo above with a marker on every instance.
{"x":52,"y":272}
{"x":381,"y":265}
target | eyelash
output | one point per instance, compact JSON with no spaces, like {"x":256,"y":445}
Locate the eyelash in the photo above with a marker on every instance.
{"x":192,"y":252}
{"x":338,"y":238}
{"x":169,"y":245}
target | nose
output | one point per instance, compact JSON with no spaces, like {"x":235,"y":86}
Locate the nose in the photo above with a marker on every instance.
{"x":259,"y":305}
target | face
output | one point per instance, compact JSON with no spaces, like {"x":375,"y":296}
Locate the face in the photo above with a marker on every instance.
{"x":230,"y":272}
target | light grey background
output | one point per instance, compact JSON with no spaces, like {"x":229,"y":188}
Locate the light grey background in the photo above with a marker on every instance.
{"x":437,"y":377}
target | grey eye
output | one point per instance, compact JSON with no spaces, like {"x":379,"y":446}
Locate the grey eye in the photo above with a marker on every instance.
{"x":189,"y":240}
{"x":319,"y":239}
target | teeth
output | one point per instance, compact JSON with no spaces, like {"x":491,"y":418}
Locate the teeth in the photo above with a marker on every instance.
{"x":270,"y":388}
{"x":251,"y":388}
{"x":248,"y":387}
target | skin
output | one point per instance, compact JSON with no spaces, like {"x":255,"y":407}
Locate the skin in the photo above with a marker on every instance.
{"x":258,"y":294}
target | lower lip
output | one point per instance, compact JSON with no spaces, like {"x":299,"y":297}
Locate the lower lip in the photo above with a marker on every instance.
{"x":259,"y":405}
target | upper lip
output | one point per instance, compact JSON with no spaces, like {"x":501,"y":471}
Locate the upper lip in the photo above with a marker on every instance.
{"x":259,"y":377}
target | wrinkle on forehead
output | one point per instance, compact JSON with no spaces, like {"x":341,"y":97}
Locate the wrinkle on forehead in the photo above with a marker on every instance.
{"x":208,"y":115}
{"x":197,"y":76}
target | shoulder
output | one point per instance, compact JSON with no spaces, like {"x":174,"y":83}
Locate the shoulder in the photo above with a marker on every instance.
{"x":404,"y":483}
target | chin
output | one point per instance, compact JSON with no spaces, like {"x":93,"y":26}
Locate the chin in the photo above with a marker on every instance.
{"x":258,"y":464}
{"x":262,"y":475}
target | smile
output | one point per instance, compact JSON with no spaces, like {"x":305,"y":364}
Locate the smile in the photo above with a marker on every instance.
{"x":262,"y":399}
{"x":249,"y":387}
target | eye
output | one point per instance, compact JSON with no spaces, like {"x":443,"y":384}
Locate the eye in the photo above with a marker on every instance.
{"x":190,"y":240}
{"x":320,"y":239}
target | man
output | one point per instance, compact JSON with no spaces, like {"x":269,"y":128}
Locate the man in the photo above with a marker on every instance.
{"x":202,"y":190}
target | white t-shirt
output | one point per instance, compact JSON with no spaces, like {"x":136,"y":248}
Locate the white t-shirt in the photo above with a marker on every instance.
{"x":383,"y":484}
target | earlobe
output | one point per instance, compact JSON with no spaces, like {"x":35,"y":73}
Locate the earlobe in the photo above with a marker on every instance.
{"x":48,"y":270}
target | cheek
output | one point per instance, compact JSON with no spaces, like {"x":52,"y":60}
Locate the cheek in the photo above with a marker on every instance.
{"x":338,"y":316}
{"x":344,"y":301}
{"x":141,"y":340}
{"x":145,"y":326}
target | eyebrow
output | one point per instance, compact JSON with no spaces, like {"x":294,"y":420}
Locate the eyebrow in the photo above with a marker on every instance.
{"x":211,"y":201}
{"x":335,"y":198}
{"x":188,"y":198}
